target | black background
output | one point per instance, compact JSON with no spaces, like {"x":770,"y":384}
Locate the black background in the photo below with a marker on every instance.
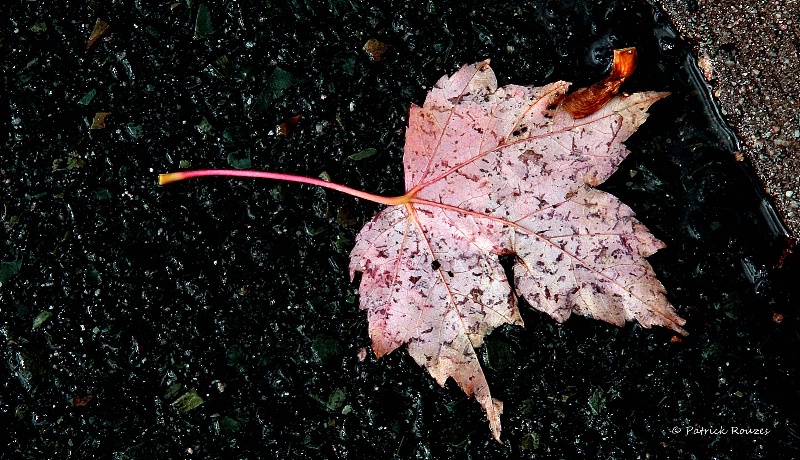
{"x":238,"y":289}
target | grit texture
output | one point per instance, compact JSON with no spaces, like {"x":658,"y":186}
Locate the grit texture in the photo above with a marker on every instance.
{"x":748,"y":53}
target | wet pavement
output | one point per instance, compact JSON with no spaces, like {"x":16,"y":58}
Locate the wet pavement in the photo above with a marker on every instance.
{"x":215,"y":318}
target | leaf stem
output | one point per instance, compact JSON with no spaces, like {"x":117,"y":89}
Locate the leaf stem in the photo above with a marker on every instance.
{"x":164,"y":179}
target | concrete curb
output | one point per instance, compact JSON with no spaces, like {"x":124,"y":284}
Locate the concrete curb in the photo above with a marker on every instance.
{"x":747,"y":51}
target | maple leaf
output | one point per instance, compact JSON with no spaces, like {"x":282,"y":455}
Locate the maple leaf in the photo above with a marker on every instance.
{"x":492,"y":171}
{"x":502,"y":171}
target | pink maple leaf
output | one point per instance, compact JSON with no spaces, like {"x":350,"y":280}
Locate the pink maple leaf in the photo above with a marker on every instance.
{"x":492,"y":171}
{"x":502,"y":171}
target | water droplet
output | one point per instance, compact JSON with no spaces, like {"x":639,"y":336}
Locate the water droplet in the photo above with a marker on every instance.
{"x":668,"y":45}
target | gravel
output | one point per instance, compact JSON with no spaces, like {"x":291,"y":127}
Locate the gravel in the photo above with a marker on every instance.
{"x":748,"y":53}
